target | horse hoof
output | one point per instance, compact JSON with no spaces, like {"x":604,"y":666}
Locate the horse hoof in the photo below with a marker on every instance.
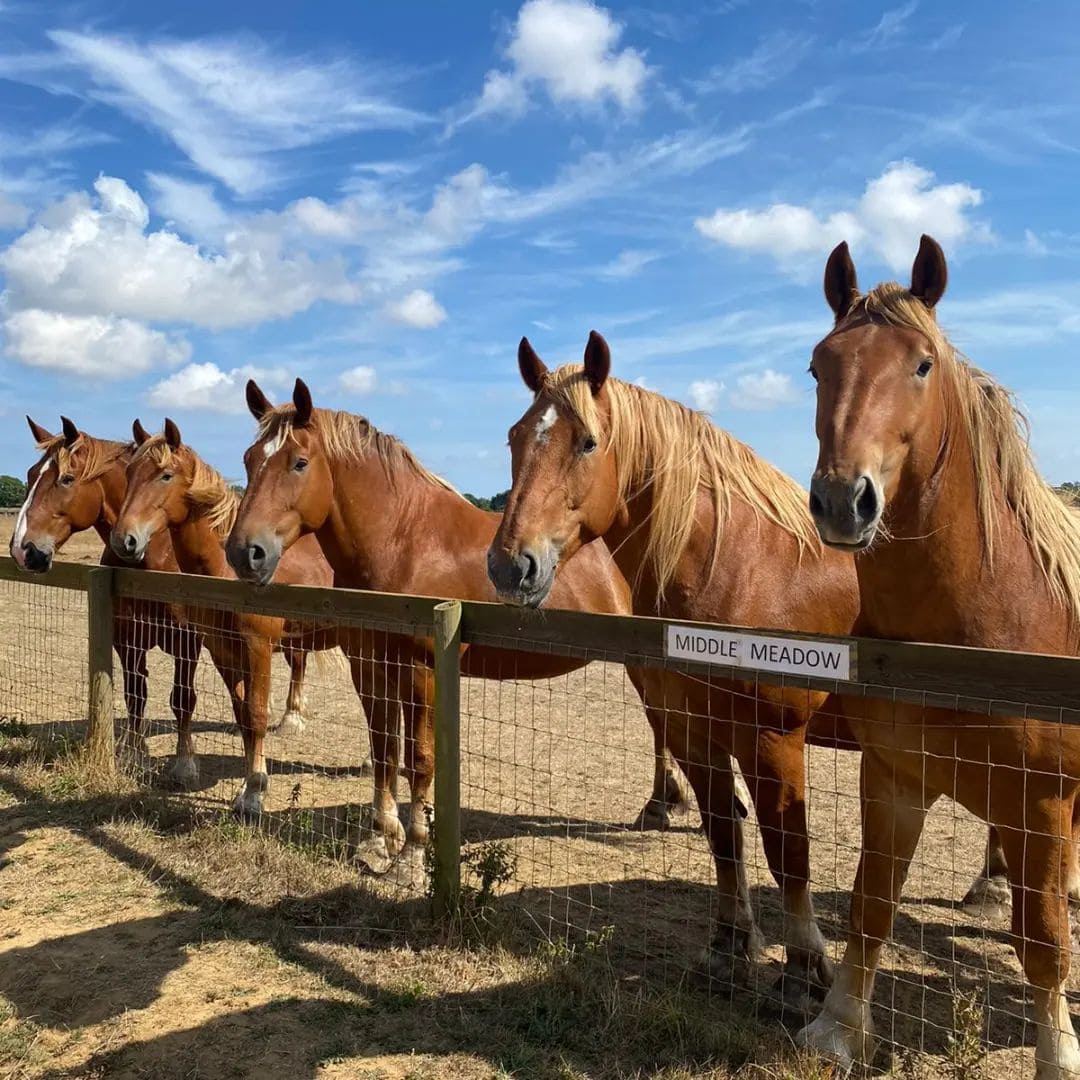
{"x":292,"y":723}
{"x":367,"y":766}
{"x":248,"y":806}
{"x":407,"y":871}
{"x":659,"y":815}
{"x":731,"y":954}
{"x":373,"y":856}
{"x":184,"y":773}
{"x":989,"y":898}
{"x":837,"y":1043}
{"x":801,"y":988}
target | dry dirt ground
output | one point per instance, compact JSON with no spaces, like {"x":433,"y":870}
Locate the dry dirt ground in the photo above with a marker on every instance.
{"x":145,"y":933}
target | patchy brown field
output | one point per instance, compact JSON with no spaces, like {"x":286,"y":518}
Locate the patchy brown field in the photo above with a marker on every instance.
{"x":147,"y":934}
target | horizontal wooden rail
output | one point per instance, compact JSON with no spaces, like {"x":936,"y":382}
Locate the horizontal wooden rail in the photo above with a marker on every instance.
{"x":979,"y":680}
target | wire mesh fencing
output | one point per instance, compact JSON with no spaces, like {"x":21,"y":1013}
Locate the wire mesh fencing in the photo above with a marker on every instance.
{"x":576,"y":825}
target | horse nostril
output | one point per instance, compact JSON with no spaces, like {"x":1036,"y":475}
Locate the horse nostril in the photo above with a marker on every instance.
{"x":817,"y":507}
{"x":866,"y":499}
{"x":530,"y":568}
{"x":256,"y":554}
{"x":130,"y":543}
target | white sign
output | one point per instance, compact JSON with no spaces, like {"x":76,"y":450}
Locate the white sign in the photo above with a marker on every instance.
{"x":825,"y":659}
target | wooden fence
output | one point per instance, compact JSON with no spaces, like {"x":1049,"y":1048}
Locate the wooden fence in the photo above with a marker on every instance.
{"x":984,"y":681}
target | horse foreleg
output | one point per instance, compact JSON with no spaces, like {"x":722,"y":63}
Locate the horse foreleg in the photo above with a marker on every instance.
{"x":292,"y":720}
{"x":380,"y":699}
{"x":257,"y":659}
{"x":990,"y":893}
{"x":184,"y":771}
{"x":892,"y":821}
{"x":774,"y":766}
{"x":132,"y":751}
{"x":670,"y":792}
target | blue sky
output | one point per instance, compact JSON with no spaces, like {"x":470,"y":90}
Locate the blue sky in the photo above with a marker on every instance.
{"x":382,"y":198}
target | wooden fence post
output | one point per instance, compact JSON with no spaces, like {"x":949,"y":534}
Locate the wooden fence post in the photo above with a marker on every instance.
{"x":99,"y":607}
{"x":447,"y":871}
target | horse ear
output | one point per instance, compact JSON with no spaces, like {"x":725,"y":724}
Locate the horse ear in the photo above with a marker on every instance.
{"x":301,"y":398}
{"x":597,"y":361}
{"x":257,"y":402}
{"x":39,"y":433}
{"x":929,"y":274}
{"x":138,"y":433}
{"x":532,"y":368}
{"x":71,"y":432}
{"x":172,"y":435}
{"x":841,"y":284}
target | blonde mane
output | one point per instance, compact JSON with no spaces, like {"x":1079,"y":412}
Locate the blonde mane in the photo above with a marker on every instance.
{"x":347,"y":437}
{"x":997,"y":432}
{"x":664,"y":446}
{"x":208,"y":489}
{"x":100,"y":456}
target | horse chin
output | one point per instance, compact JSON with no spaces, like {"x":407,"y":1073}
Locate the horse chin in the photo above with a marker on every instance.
{"x":526,"y":598}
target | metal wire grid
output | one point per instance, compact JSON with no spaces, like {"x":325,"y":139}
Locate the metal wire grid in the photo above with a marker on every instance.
{"x":554,"y":773}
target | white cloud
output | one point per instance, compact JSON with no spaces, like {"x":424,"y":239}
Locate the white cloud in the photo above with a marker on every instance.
{"x":205,"y":387}
{"x":763,"y":390}
{"x":419,"y":309}
{"x":358,"y":380}
{"x":86,"y":256}
{"x":705,"y":394}
{"x":228,"y":103}
{"x":628,"y":264}
{"x":93,"y":345}
{"x":570,"y":49}
{"x":888,"y":218}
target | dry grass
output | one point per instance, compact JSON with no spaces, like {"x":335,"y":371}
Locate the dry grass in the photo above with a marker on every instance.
{"x":154,"y":938}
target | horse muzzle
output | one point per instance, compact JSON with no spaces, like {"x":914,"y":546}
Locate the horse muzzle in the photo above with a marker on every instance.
{"x":847,"y":512}
{"x":254,"y":559}
{"x":31,"y":558}
{"x":523,"y":578}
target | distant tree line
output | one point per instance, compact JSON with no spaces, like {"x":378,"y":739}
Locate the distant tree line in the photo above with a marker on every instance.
{"x":12,"y":491}
{"x":496,"y":502}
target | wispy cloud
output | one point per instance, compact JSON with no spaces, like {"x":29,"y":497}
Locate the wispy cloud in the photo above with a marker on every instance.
{"x":628,"y":264}
{"x":885,"y":31}
{"x":229,"y":104}
{"x":772,"y":59}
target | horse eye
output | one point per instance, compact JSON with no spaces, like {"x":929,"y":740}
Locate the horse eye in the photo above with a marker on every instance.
{"x":813,"y":372}
{"x":924,"y":368}
{"x":589,"y":445}
{"x":67,"y":480}
{"x":301,"y":464}
{"x":166,"y":477}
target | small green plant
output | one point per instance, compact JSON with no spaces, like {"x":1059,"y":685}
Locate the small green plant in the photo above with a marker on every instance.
{"x":493,"y":865}
{"x":964,"y":1051}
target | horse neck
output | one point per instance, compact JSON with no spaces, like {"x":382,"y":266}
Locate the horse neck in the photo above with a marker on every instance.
{"x":113,"y":489}
{"x":197,"y":546}
{"x":931,"y":579}
{"x":370,"y":513}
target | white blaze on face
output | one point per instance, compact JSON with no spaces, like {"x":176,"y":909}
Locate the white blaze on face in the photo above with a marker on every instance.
{"x":20,"y":523}
{"x":272,"y":446}
{"x":545,"y":424}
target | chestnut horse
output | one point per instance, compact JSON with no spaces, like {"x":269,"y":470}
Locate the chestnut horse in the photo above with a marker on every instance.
{"x":386,"y":523}
{"x":78,"y":484}
{"x":172,"y":491}
{"x":704,"y":529}
{"x":924,"y":469}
